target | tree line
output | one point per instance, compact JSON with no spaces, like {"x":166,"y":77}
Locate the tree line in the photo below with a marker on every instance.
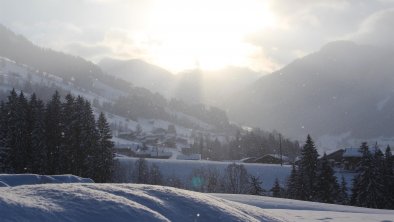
{"x":57,"y":137}
{"x":254,"y":143}
{"x":314,"y":180}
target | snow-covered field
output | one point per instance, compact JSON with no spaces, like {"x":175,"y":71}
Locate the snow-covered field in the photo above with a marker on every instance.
{"x":183,"y":169}
{"x":136,"y":202}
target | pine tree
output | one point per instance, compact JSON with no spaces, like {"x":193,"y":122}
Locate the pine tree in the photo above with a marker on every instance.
{"x":5,"y":150}
{"x":292,"y":185}
{"x":276,"y":189}
{"x":256,"y":186}
{"x":367,"y":190}
{"x":327,"y":188}
{"x":38,"y":145}
{"x":104,"y":152}
{"x":53,"y":129}
{"x":343,"y":196}
{"x":71,"y":133}
{"x":308,"y":169}
{"x":388,"y":178}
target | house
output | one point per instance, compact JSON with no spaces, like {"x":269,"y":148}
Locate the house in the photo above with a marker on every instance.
{"x":350,"y":158}
{"x":272,"y":159}
{"x":335,"y":158}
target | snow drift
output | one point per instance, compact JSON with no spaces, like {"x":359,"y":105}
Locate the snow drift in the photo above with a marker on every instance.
{"x":118,"y":202}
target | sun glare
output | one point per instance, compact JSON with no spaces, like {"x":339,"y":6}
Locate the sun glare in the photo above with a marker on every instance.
{"x":206,"y":34}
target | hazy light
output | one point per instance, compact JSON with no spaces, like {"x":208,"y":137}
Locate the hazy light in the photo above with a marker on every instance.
{"x":206,"y":34}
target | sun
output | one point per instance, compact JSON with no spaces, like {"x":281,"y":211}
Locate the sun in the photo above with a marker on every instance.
{"x":204,"y":33}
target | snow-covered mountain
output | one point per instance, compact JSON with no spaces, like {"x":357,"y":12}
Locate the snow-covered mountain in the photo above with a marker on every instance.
{"x":195,"y":85}
{"x":25,"y":66}
{"x":340,"y":95}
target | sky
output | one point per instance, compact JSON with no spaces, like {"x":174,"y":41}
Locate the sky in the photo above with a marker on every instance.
{"x":262,"y":35}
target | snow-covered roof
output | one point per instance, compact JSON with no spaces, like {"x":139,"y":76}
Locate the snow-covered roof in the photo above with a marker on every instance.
{"x":352,"y":152}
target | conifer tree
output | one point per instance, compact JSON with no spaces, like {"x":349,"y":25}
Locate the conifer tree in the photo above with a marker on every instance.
{"x":343,"y":196}
{"x":367,"y":190}
{"x":308,"y":169}
{"x":71,"y":132}
{"x":293,"y":188}
{"x":38,"y":145}
{"x":389,"y":178}
{"x":327,"y":188}
{"x":276,"y":189}
{"x":5,"y":150}
{"x":104,"y":152}
{"x":53,"y":129}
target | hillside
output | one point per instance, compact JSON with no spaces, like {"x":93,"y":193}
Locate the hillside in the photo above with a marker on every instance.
{"x":339,"y":94}
{"x":194,"y":86}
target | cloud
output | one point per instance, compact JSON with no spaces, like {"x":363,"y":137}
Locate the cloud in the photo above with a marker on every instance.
{"x":377,"y":29}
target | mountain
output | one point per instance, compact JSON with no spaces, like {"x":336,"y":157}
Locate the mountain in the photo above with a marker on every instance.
{"x":28,"y":67}
{"x":211,"y":86}
{"x":195,"y":86}
{"x":140,"y":73}
{"x":342,"y":92}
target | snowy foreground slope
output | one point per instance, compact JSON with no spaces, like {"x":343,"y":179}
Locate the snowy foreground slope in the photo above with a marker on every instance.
{"x":135,"y":202}
{"x":119,"y":202}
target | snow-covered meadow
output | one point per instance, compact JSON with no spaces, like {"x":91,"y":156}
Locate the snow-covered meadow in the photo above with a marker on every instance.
{"x":183,"y":169}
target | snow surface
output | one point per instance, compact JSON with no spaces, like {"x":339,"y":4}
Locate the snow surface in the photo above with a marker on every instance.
{"x":296,"y":210}
{"x":137,"y":202}
{"x":183,"y":169}
{"x":119,"y":202}
{"x":29,"y":179}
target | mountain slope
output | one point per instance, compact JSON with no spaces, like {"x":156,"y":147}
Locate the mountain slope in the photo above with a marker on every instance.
{"x":195,"y":86}
{"x":140,"y":73}
{"x":344,"y":88}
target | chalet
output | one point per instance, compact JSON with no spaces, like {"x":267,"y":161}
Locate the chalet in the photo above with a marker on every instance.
{"x":350,"y":158}
{"x":272,"y":159}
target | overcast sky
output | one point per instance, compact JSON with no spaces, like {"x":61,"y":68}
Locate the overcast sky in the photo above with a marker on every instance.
{"x":182,"y":34}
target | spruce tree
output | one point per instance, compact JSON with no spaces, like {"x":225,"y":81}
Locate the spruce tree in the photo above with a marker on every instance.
{"x":308,"y":169}
{"x":53,"y":129}
{"x":367,"y":190}
{"x":276,"y":189}
{"x":293,"y":188}
{"x":5,"y":150}
{"x":389,"y":178}
{"x":71,"y":132}
{"x":327,"y":188}
{"x":343,"y":196}
{"x":104,"y":152}
{"x":38,"y":145}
